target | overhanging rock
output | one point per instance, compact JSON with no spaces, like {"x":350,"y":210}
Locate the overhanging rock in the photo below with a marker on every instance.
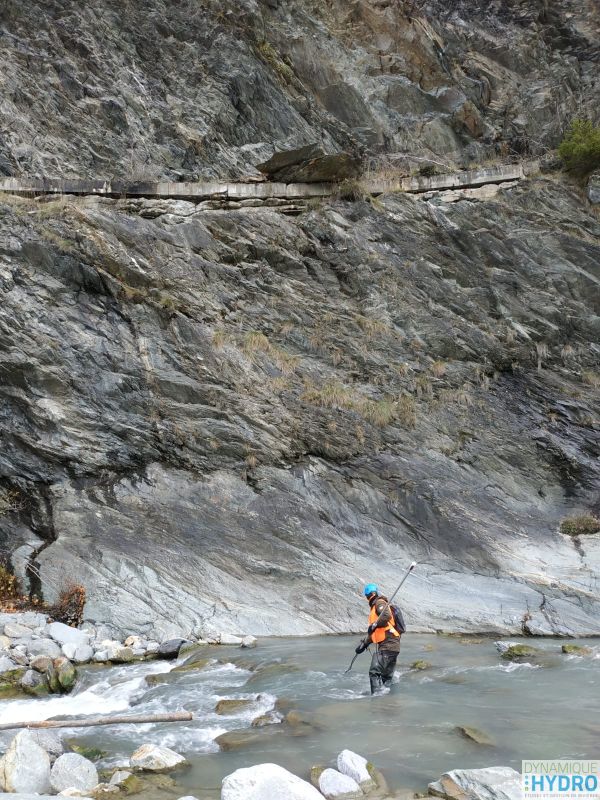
{"x":310,"y":164}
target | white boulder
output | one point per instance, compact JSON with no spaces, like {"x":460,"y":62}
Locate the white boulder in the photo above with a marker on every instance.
{"x":249,"y":641}
{"x":25,"y":767}
{"x":101,"y":657}
{"x":119,"y":777}
{"x":229,"y":638}
{"x":68,"y":650}
{"x":266,"y":782}
{"x":15,"y":630}
{"x":334,"y":784}
{"x":72,"y":771}
{"x":136,"y":642}
{"x":44,"y":647}
{"x":502,"y":647}
{"x":33,"y":620}
{"x":6,"y":664}
{"x":152,"y":758}
{"x":490,"y":783}
{"x":355,"y":767}
{"x":64,"y":634}
{"x":83,"y":654}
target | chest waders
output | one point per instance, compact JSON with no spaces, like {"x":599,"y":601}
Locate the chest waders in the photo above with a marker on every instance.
{"x":406,"y":574}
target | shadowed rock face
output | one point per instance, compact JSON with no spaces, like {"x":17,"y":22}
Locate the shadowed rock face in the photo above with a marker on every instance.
{"x":230,"y":420}
{"x":183,"y":90}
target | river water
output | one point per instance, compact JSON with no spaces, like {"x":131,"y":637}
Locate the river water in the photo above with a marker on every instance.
{"x":529,"y":710}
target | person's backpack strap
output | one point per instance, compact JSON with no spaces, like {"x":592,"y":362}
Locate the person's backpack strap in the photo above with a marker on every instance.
{"x":399,"y":623}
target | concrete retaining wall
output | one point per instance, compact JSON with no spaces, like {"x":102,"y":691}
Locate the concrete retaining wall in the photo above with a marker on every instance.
{"x":261,"y":190}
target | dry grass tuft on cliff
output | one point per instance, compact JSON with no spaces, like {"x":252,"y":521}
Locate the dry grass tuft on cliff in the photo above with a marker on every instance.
{"x":582,"y":525}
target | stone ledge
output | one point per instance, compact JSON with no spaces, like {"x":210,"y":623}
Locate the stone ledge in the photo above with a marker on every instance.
{"x":264,"y":190}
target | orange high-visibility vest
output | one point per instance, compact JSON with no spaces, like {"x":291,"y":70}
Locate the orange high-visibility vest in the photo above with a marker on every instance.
{"x":379,"y":634}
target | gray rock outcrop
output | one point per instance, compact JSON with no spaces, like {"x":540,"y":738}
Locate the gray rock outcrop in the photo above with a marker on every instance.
{"x":212,"y":418}
{"x":451,"y":83}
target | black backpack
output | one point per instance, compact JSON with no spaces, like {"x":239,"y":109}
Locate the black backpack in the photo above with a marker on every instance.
{"x":398,"y":619}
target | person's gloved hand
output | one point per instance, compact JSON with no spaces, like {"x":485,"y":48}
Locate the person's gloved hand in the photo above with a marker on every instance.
{"x":361,"y":648}
{"x":372,"y":627}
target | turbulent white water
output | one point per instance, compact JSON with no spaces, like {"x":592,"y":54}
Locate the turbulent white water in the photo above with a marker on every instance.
{"x":541,"y":710}
{"x":114,"y":691}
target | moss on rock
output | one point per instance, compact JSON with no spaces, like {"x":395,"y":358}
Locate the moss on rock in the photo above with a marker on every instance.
{"x":518,"y":651}
{"x":421,"y":664}
{"x":576,"y":650}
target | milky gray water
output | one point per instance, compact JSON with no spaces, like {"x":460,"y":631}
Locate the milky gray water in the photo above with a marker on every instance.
{"x":529,"y":711}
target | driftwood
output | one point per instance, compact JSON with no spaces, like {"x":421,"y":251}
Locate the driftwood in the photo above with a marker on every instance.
{"x":175,"y":716}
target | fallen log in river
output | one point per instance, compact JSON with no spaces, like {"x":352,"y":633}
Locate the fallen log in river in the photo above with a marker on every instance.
{"x":175,"y":716}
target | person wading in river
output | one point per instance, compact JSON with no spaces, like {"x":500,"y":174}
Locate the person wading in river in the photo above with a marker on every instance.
{"x":384,"y":636}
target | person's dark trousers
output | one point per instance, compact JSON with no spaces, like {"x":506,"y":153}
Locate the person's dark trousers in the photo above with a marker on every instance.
{"x":381,"y":670}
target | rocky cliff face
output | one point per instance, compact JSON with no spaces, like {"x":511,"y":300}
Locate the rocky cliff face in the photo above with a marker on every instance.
{"x":182,"y":89}
{"x":229,"y":420}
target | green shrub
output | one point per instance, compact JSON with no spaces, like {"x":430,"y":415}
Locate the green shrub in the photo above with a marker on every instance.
{"x":580,"y":149}
{"x":580,"y":525}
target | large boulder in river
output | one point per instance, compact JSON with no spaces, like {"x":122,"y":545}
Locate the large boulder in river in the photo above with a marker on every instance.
{"x":266,"y":782}
{"x":520,"y":652}
{"x":151,"y":758}
{"x":72,"y":771}
{"x":336,"y":786}
{"x":35,"y":684}
{"x":357,"y":768}
{"x":491,"y":783}
{"x":25,"y":767}
{"x":66,"y":673}
{"x":171,"y":648}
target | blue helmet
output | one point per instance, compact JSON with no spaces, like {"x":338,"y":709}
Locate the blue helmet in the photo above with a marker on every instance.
{"x":371,"y":588}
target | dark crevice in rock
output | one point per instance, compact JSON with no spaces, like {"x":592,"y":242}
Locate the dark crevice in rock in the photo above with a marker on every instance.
{"x":43,"y":526}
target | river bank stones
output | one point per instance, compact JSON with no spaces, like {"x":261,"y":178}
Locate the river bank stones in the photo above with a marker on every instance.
{"x":72,"y":771}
